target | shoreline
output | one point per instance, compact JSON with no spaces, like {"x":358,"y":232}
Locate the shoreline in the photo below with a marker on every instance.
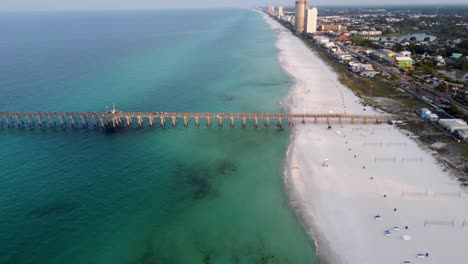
{"x":336,"y":204}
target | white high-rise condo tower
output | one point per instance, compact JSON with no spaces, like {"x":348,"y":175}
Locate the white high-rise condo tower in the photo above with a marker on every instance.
{"x":311,"y":24}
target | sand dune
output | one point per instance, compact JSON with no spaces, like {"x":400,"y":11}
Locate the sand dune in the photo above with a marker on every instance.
{"x":337,"y":204}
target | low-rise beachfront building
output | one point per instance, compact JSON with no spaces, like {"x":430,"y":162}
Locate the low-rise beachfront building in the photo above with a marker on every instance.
{"x":343,"y":56}
{"x":389,"y":45}
{"x":359,"y":67}
{"x":456,"y":55}
{"x":329,"y":44}
{"x":370,"y":74}
{"x":462,"y":134}
{"x":440,"y":60}
{"x":322,"y":40}
{"x":405,"y":53}
{"x":404,"y":62}
{"x":427,"y":114}
{"x":433,"y":117}
{"x":368,"y":52}
{"x":370,"y":33}
{"x":333,"y":28}
{"x":453,"y":125}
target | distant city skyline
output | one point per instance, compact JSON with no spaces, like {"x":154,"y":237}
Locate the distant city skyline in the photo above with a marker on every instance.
{"x":11,"y":5}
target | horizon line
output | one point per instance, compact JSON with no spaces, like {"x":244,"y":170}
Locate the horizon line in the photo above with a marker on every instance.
{"x":223,"y":7}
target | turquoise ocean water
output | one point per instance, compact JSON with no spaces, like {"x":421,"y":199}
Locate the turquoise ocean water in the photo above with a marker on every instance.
{"x":160,"y":195}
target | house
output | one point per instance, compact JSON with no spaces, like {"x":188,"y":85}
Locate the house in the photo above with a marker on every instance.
{"x":367,"y":67}
{"x":329,"y":44}
{"x":343,"y":37}
{"x":355,"y":66}
{"x":440,"y":60}
{"x":369,"y":74}
{"x":453,"y":125}
{"x":405,"y":44}
{"x":462,"y":134}
{"x":389,"y":45}
{"x":323,"y":40}
{"x":427,"y":114}
{"x":405,"y":53}
{"x":403,"y":62}
{"x":456,"y":55}
{"x":345,"y":57}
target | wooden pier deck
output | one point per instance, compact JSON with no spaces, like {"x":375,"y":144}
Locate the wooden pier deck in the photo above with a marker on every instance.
{"x":119,"y":118}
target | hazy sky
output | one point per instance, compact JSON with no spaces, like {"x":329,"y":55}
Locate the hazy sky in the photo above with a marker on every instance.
{"x":157,"y":4}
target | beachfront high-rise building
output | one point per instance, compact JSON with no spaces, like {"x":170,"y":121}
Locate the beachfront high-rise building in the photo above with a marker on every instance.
{"x":301,"y":7}
{"x":311,"y":20}
{"x":271,"y":10}
{"x":280,"y":11}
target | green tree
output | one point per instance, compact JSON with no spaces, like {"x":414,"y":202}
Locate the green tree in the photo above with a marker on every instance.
{"x":454,"y":110}
{"x":398,"y":47}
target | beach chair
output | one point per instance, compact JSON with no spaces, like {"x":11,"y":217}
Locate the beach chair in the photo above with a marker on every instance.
{"x":387,"y":233}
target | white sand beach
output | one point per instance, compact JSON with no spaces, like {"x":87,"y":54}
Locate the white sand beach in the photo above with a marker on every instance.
{"x":338,"y":203}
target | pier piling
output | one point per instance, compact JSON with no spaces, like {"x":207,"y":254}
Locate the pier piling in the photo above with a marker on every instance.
{"x":39,"y":120}
{"x":140,"y":121}
{"x":84,"y":121}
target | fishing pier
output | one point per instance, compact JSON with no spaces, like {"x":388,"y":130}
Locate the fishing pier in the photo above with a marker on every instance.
{"x":115,"y":119}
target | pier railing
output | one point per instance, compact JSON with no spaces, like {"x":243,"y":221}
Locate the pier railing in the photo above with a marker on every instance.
{"x":118,"y":119}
